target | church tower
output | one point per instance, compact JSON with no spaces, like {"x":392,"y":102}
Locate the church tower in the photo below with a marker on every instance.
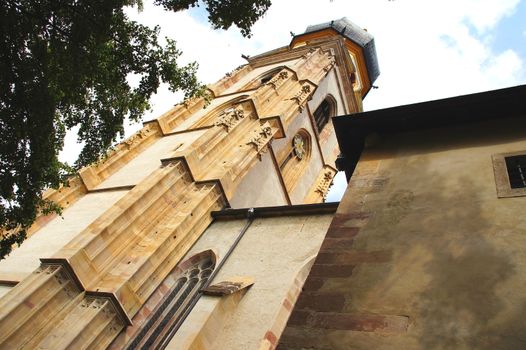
{"x":139,"y":257}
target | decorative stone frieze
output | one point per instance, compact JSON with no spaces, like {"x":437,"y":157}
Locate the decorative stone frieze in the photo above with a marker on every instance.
{"x":325,"y":183}
{"x":309,"y":53}
{"x":278,"y":80}
{"x":230,"y":118}
{"x":136,"y":138}
{"x":260,"y":137}
{"x":329,"y":66}
{"x":302,"y":95}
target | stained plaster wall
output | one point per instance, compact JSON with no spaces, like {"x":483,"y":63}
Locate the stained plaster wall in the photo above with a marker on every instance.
{"x":269,"y":252}
{"x":421,"y":253}
{"x":260,"y":187}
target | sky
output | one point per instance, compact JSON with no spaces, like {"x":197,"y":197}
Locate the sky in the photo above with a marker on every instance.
{"x":426,"y":49}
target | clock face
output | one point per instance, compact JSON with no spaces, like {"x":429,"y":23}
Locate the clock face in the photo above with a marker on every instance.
{"x":298,"y":145}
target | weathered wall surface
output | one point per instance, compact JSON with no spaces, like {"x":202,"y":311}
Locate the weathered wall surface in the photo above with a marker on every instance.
{"x":269,"y":252}
{"x":421,"y":253}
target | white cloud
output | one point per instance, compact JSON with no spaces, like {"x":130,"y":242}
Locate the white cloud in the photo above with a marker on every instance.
{"x":426,"y":49}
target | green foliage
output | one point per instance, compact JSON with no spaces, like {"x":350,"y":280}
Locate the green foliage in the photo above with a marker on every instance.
{"x":225,"y":13}
{"x":65,"y":64}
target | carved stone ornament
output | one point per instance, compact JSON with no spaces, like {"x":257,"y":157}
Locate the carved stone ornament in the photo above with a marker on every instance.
{"x":278,"y":79}
{"x":298,"y":146}
{"x":310,"y":53}
{"x":230,"y":118}
{"x":325,"y":184}
{"x":260,"y":137}
{"x":301,"y":96}
{"x":329,"y":66}
{"x":136,"y":138}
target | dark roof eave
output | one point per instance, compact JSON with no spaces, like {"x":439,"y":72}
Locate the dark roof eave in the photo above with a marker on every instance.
{"x":351,"y":130}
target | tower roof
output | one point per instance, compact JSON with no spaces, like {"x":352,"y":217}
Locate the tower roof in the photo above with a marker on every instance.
{"x":357,"y":35}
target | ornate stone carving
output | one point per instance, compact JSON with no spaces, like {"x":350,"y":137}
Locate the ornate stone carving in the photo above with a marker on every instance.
{"x":298,"y":146}
{"x":230,"y":118}
{"x":309,"y":53}
{"x":260,"y":137}
{"x":136,"y":138}
{"x":231,"y":73}
{"x":325,"y":183}
{"x":301,"y":96}
{"x":278,"y":79}
{"x":329,"y":66}
{"x":47,"y":269}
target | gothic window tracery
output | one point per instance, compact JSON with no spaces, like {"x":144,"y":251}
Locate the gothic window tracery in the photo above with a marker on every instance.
{"x":294,"y":163}
{"x":325,"y":111}
{"x":184,"y":284}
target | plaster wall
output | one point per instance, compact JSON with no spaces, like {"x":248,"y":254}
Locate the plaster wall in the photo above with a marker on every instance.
{"x":422,"y":254}
{"x":261,"y":187}
{"x":269,"y":252}
{"x":57,"y":233}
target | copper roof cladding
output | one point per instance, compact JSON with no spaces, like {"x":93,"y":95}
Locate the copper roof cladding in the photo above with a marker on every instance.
{"x":357,"y":35}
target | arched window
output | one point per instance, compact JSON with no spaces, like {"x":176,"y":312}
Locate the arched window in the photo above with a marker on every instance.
{"x":295,"y":161}
{"x":325,"y":111}
{"x":153,"y":328}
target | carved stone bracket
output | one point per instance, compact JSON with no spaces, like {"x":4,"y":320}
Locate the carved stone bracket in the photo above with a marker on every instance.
{"x":230,"y":118}
{"x":309,"y":53}
{"x":260,"y":138}
{"x":136,"y":138}
{"x":325,"y":183}
{"x":69,"y":286}
{"x":329,"y":66}
{"x":301,"y":96}
{"x":278,"y":79}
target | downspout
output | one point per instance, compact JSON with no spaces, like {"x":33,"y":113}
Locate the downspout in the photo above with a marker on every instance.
{"x":169,"y":335}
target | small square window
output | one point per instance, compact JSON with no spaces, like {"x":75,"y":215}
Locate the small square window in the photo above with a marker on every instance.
{"x":510,"y":174}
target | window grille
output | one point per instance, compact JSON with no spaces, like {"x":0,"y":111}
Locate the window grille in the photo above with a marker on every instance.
{"x":516,"y":167}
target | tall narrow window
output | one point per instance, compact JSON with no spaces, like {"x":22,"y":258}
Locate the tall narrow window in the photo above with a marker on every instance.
{"x":324,"y":112}
{"x":516,"y":167}
{"x":154,"y":329}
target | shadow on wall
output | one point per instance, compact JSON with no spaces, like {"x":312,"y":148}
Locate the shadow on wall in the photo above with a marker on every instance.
{"x":465,"y":297}
{"x":420,"y":255}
